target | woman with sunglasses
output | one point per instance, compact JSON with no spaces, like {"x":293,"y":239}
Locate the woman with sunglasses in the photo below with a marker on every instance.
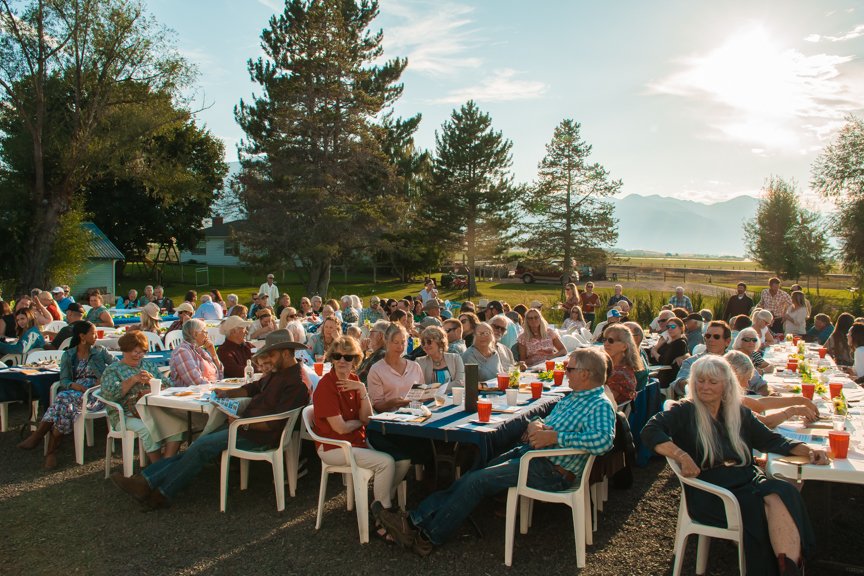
{"x":469,"y":321}
{"x":342,"y":411}
{"x":572,"y":297}
{"x":669,"y":347}
{"x":289,"y":314}
{"x":619,"y":344}
{"x":762,"y":321}
{"x":538,"y":342}
{"x":184,"y":313}
{"x":748,"y":343}
{"x":575,"y":321}
{"x":492,"y":357}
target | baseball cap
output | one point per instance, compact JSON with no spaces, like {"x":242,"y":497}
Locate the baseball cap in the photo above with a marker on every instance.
{"x":57,"y":290}
{"x":613,"y":314}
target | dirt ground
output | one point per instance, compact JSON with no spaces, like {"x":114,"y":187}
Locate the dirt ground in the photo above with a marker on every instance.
{"x":73,"y":521}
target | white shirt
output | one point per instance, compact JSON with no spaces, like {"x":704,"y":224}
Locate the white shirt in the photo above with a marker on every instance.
{"x":859,"y":361}
{"x":427,"y":295}
{"x":271,"y":290}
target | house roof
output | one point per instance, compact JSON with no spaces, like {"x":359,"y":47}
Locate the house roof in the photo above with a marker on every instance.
{"x":222,"y":230}
{"x":101,"y":248}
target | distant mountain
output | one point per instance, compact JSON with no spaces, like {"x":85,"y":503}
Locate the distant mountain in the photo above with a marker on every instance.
{"x":661,"y":224}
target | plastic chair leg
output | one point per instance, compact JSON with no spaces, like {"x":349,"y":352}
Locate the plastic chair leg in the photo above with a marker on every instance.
{"x":361,"y":497}
{"x":142,"y":455}
{"x":680,"y":545}
{"x":128,"y":448}
{"x":4,"y":416}
{"x":244,"y":474}
{"x":78,"y":431}
{"x":578,"y":510}
{"x":223,"y":483}
{"x":524,"y":514}
{"x":588,"y":517}
{"x":510,"y":525}
{"x":279,"y":480}
{"x":109,"y":448}
{"x":349,"y":483}
{"x":322,"y":493}
{"x":702,"y":549}
{"x":88,"y":428}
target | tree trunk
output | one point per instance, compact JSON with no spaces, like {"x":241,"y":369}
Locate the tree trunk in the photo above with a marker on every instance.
{"x":471,"y":248}
{"x":319,"y":278}
{"x":42,"y":234}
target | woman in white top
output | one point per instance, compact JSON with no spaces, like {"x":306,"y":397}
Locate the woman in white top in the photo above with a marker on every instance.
{"x":575,"y":321}
{"x":855,"y":338}
{"x":762,"y":320}
{"x":391,"y":378}
{"x":795,"y":317}
{"x":539,"y":342}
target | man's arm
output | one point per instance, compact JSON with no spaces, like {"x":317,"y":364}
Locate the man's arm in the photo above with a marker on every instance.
{"x":595,"y":435}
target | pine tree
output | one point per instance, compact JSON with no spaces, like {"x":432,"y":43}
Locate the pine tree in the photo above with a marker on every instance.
{"x":314,"y":181}
{"x":474,"y":196}
{"x":570,"y":214}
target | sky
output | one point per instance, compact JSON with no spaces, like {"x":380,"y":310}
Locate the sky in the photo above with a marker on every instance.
{"x":692,"y":100}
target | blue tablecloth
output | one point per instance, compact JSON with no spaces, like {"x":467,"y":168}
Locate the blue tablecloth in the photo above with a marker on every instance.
{"x":645,"y":405}
{"x":19,"y":387}
{"x":137,"y":318}
{"x":453,"y":424}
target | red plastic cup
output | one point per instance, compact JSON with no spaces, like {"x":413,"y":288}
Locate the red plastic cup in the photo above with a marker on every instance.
{"x":319,"y":368}
{"x":100,"y":333}
{"x":550,"y":365}
{"x":792,"y":366}
{"x":836,"y":388}
{"x":536,"y":389}
{"x":795,"y":340}
{"x":503,"y":382}
{"x":558,"y":376}
{"x":839,"y":442}
{"x":823,"y":352}
{"x":484,"y":410}
{"x":807,"y":390}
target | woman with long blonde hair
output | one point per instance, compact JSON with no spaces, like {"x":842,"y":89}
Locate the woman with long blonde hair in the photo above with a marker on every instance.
{"x":619,"y":344}
{"x":711,"y":435}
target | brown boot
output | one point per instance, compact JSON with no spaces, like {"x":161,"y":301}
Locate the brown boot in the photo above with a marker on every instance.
{"x":35,"y":438}
{"x":51,"y":456}
{"x":788,"y":567}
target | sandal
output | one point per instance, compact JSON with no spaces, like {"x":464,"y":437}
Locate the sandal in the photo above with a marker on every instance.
{"x":396,"y":525}
{"x":382,"y":533}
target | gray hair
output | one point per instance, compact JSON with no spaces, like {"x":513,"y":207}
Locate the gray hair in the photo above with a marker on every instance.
{"x":356,"y":302}
{"x":145,"y":287}
{"x":741,"y":365}
{"x":296,"y":330}
{"x":380,"y":326}
{"x":233,"y":298}
{"x":716,"y":367}
{"x":747,"y":332}
{"x":594,"y":361}
{"x":762,"y":314}
{"x":191,"y":328}
{"x":206,"y":298}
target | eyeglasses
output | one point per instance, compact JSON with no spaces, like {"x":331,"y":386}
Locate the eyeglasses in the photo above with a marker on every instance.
{"x":184,"y":312}
{"x":610,"y":340}
{"x":429,"y":341}
{"x":336,"y":356}
{"x":448,"y":330}
{"x":672,"y":326}
{"x":749,"y":339}
{"x":291,"y":316}
{"x":663,"y":321}
{"x":463,"y":320}
{"x":708,"y":336}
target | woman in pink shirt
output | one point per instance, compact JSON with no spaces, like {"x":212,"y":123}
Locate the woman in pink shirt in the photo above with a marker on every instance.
{"x":538,"y":342}
{"x":194,"y":361}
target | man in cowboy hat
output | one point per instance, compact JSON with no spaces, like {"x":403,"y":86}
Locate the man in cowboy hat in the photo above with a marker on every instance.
{"x":280,"y":390}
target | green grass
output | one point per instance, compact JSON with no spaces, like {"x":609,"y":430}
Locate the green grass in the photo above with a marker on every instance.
{"x":699,"y":263}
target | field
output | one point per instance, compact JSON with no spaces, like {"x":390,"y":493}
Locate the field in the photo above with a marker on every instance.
{"x":671,"y":262}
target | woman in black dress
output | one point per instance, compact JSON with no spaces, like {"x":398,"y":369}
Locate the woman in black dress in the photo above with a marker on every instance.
{"x":712,"y":436}
{"x":671,"y":345}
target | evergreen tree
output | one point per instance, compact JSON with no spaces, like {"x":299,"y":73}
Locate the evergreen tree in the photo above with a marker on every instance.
{"x":315,"y":181}
{"x":783,"y":236}
{"x":474,"y":196}
{"x":572,"y":218}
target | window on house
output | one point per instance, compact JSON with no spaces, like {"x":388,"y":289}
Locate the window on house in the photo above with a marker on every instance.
{"x":200,"y":249}
{"x":232,"y":248}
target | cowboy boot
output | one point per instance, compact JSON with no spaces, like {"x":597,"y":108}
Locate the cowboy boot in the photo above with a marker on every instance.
{"x":51,"y":457}
{"x":788,"y":567}
{"x":33,"y":440}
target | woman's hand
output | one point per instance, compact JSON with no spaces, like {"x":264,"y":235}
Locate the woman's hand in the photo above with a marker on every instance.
{"x":144,"y":377}
{"x":809,"y":413}
{"x":349,"y":385}
{"x":689,"y":469}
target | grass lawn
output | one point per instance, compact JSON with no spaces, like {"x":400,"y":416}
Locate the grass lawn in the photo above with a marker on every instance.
{"x":671,"y":262}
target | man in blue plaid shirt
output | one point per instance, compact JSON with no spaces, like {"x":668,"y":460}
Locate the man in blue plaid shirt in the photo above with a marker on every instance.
{"x":584,"y":419}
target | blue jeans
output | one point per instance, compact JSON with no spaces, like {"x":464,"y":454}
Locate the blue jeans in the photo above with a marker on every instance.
{"x":440,"y":514}
{"x":171,"y":475}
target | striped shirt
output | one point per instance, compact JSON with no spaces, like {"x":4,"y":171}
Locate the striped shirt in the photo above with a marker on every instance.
{"x":584,"y":419}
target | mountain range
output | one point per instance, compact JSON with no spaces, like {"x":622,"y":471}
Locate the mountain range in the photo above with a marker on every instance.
{"x":669,"y":225}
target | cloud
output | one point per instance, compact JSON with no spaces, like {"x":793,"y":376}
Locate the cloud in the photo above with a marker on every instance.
{"x":274,"y":5}
{"x":436,"y":37}
{"x":856,"y":32}
{"x":752,"y":91}
{"x":501,"y":86}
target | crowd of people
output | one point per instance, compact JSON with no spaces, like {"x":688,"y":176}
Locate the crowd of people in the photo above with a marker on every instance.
{"x":378,"y":352}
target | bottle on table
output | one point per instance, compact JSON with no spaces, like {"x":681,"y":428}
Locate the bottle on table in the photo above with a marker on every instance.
{"x":249,"y":372}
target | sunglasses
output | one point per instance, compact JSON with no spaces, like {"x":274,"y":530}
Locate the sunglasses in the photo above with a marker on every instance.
{"x":749,"y":339}
{"x":448,"y":330}
{"x":498,"y":328}
{"x":610,"y":340}
{"x":335,"y":356}
{"x":291,"y":316}
{"x":715,"y":336}
{"x":672,"y":326}
{"x":184,"y":312}
{"x":429,"y":341}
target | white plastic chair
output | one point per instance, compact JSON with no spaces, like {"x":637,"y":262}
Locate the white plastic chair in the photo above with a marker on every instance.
{"x":586,"y":334}
{"x":686,"y":525}
{"x":570,"y":342}
{"x":356,"y":479}
{"x":276,"y":457}
{"x":577,"y":497}
{"x":174,"y":339}
{"x":65,"y":344}
{"x":154,"y":341}
{"x":215,"y":336}
{"x":40,"y":355}
{"x":83,"y":427}
{"x":54,"y":326}
{"x":126,"y":437}
{"x":13,"y":359}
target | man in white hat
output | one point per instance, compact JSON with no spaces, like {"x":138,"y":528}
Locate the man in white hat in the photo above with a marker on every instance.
{"x":269,"y":288}
{"x":235,"y":351}
{"x":281,"y":390}
{"x":613,"y":316}
{"x":63,"y":300}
